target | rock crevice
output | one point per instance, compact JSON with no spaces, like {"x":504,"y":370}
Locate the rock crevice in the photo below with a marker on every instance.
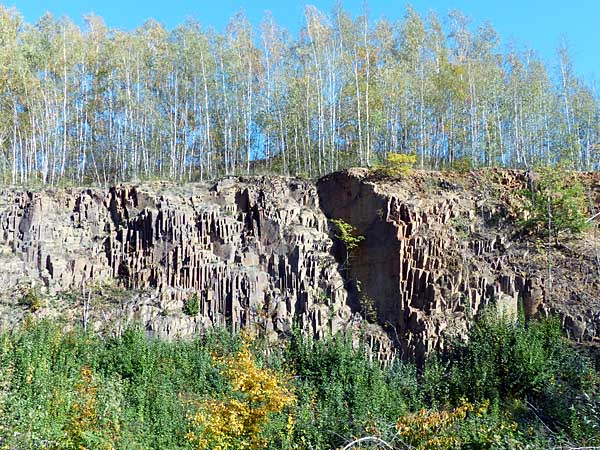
{"x":431,"y":260}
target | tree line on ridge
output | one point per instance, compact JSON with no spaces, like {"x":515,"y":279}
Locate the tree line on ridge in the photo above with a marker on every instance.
{"x":97,"y":105}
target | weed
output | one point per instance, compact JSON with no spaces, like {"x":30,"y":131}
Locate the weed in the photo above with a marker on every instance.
{"x":191,"y":306}
{"x":32,"y":299}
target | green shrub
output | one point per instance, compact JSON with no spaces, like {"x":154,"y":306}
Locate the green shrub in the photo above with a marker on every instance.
{"x":342,"y":393}
{"x":73,"y":389}
{"x":32,"y":299}
{"x":463,"y":164}
{"x":191,"y":306}
{"x":532,"y":364}
{"x":555,"y":204}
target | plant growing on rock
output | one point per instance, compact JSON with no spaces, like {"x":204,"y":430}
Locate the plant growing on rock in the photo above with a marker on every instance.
{"x":463,"y":165}
{"x":555,"y":204}
{"x":32,"y":299}
{"x":367,"y":308}
{"x":398,"y":164}
{"x":191,"y":306}
{"x":347,"y":234}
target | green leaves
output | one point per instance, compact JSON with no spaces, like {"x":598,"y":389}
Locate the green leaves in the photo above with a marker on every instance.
{"x":556,"y":203}
{"x":512,"y":363}
{"x":69,"y":389}
{"x":347,"y":234}
{"x":191,"y":306}
{"x":97,"y":105}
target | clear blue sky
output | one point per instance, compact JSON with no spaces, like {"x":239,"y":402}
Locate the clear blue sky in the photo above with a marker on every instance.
{"x":536,"y":24}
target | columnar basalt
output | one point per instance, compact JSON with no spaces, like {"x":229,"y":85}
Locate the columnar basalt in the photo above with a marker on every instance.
{"x":259,"y":252}
{"x":256,"y":251}
{"x":434,"y":256}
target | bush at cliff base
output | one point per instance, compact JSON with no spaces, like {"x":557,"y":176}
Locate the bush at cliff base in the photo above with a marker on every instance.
{"x":513,"y":385}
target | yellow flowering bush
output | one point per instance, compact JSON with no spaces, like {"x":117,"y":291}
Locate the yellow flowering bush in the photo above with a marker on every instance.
{"x":236,"y":421}
{"x":86,"y":429}
{"x":84,"y":415}
{"x":455,"y":428}
{"x":397,"y":164}
{"x":427,"y":429}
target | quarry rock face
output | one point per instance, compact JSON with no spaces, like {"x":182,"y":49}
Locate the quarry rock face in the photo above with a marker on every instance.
{"x":253,"y":251}
{"x":436,"y":254}
{"x":260,"y":252}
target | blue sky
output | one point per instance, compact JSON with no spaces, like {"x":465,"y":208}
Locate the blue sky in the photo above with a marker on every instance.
{"x":536,"y":24}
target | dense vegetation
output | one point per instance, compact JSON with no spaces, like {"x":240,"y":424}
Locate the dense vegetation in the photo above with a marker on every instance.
{"x":95,"y":105}
{"x":512,"y":386}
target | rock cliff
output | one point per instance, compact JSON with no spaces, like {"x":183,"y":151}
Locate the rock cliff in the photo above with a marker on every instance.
{"x":255,"y":251}
{"x":259,"y":252}
{"x":439,"y":248}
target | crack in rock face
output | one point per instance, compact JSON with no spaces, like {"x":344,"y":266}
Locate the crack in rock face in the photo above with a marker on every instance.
{"x":255,"y":251}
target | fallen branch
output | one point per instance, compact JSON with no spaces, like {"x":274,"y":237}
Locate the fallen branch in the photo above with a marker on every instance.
{"x":589,"y":220}
{"x":374,"y":439}
{"x":535,"y":413}
{"x":575,"y":448}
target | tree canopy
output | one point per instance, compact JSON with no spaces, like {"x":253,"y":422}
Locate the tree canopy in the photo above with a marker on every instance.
{"x":96,"y":105}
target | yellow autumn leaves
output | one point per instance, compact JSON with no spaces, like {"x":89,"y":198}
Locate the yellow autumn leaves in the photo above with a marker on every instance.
{"x":237,"y":420}
{"x":440,"y":430}
{"x":398,"y":164}
{"x":86,"y":429}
